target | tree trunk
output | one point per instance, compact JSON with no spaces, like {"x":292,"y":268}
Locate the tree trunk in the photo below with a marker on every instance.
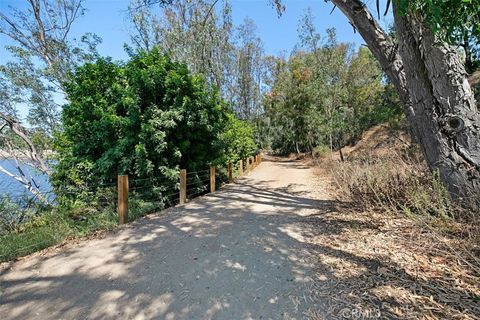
{"x":431,"y":82}
{"x":341,"y":155}
{"x":445,"y":114}
{"x":382,"y":47}
{"x":474,"y":80}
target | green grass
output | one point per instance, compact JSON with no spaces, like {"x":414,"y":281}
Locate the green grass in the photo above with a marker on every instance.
{"x":35,"y":235}
{"x":75,"y":221}
{"x":49,"y":229}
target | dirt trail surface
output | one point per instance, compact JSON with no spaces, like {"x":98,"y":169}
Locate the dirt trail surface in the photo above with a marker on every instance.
{"x":238,"y":253}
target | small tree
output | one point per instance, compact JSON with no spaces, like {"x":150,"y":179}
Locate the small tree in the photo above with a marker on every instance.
{"x":238,"y":139}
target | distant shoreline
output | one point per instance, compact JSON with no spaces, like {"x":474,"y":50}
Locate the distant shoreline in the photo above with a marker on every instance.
{"x":4,"y":154}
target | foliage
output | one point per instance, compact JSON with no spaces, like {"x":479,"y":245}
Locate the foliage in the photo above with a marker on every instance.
{"x":75,"y":218}
{"x":456,"y":21}
{"x":11,"y":215}
{"x":393,"y":182}
{"x":321,"y":151}
{"x":238,"y":139}
{"x":248,"y":72}
{"x":146,"y":118}
{"x":324,"y":94}
{"x":43,"y":56}
{"x":202,"y":35}
{"x":193,"y":32}
{"x":450,"y":16}
{"x":53,"y":227}
{"x":41,"y":140}
{"x":44,"y":231}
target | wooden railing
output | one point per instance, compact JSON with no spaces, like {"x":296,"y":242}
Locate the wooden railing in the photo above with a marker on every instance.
{"x":123,"y":187}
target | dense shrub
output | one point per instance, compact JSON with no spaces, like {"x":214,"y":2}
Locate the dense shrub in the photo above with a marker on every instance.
{"x":238,"y":139}
{"x":11,"y":215}
{"x":321,"y":151}
{"x":146,"y":118}
{"x":397,"y":181}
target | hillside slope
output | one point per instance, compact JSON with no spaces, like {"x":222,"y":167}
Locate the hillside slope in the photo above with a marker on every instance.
{"x":379,"y":140}
{"x":404,"y":251}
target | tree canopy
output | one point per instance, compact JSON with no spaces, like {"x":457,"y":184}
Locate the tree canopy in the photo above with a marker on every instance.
{"x":325,"y":94}
{"x":148,"y":117}
{"x":456,"y":21}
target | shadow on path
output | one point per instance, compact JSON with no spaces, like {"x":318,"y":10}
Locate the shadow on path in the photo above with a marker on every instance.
{"x":240,"y":253}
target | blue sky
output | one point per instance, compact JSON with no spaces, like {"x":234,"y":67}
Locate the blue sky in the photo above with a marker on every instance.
{"x":108,"y":19}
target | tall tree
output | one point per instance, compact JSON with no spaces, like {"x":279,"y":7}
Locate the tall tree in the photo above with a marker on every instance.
{"x":194,"y":32}
{"x":43,"y":57}
{"x":431,"y":81}
{"x":147,"y":117}
{"x":248,"y":72}
{"x":201,"y":34}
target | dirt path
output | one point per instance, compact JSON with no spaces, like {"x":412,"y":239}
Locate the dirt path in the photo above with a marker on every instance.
{"x":238,"y":253}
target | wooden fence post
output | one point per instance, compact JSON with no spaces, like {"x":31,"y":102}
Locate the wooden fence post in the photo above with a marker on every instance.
{"x":212,"y":178}
{"x":183,"y":186}
{"x":240,"y":168}
{"x":252,"y":162}
{"x":230,"y":172}
{"x":247,"y":166}
{"x":122,"y":205}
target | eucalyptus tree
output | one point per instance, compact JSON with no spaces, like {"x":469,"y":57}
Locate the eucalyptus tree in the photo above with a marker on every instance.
{"x":326,"y":94}
{"x":431,"y":81}
{"x":367,"y":95}
{"x":196,"y":32}
{"x":201,"y":34}
{"x":43,"y":55}
{"x":249,"y":71}
{"x":328,"y":63}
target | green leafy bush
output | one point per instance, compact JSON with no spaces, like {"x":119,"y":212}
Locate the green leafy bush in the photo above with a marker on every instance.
{"x":321,"y":151}
{"x":146,"y":118}
{"x":11,"y":215}
{"x":238,"y":139}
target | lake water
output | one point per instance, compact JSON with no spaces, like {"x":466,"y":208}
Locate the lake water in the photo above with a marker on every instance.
{"x":13,"y":188}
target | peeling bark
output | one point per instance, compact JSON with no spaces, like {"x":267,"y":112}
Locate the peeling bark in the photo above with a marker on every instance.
{"x":474,"y":80}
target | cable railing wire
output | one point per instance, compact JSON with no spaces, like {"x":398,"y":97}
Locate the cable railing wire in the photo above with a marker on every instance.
{"x":146,"y":195}
{"x":197,"y":172}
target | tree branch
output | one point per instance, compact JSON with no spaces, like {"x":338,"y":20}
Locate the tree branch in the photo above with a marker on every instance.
{"x":380,"y":44}
{"x":20,"y":132}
